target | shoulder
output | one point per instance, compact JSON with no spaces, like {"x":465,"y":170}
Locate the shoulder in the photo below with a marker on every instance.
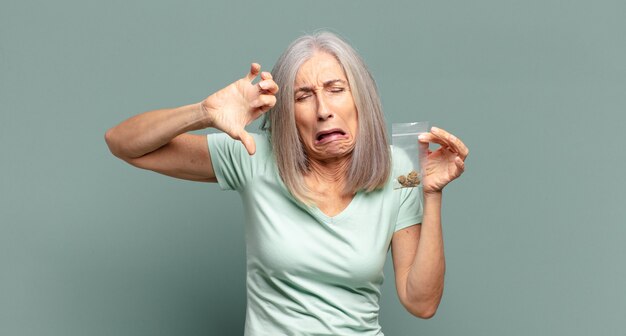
{"x":223,"y":141}
{"x":233,"y":166}
{"x":263,"y":144}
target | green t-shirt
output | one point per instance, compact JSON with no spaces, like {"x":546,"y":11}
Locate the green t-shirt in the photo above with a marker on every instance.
{"x":308,"y":273}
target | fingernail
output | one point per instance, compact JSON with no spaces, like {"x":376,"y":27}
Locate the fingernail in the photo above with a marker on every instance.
{"x":263,"y":85}
{"x":421,"y":137}
{"x":434,"y":128}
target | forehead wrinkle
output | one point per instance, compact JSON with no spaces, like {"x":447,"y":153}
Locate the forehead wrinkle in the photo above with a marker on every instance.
{"x":326,"y":84}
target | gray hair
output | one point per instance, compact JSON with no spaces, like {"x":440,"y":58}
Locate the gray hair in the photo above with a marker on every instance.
{"x":370,"y":164}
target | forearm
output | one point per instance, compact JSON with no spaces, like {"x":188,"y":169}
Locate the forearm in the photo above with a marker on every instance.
{"x":146,"y":132}
{"x":426,"y":276}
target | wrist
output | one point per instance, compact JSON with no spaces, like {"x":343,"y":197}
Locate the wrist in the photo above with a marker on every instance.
{"x":206,"y":113}
{"x":437,"y":195}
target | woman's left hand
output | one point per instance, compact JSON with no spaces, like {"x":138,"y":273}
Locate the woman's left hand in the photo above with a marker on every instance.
{"x":444,"y":164}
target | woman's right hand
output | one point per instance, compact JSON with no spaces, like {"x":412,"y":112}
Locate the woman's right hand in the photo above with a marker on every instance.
{"x":234,"y":107}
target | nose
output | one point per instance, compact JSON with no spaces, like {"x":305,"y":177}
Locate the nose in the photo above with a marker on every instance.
{"x":323,"y":112}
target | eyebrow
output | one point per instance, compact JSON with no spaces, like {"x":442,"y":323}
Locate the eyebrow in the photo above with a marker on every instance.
{"x":326,"y":84}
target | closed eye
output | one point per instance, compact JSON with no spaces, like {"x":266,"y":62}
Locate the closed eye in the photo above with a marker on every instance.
{"x":337,"y":89}
{"x":303,"y":97}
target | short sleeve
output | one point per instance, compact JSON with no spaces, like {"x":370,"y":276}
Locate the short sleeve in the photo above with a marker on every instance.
{"x":232,"y":164}
{"x":411,"y":211}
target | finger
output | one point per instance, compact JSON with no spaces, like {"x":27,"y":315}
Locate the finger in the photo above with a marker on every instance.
{"x":441,"y":137}
{"x":264,"y":100}
{"x":455,"y":144}
{"x":268,"y":86}
{"x":423,"y":152}
{"x":459,"y":146}
{"x":266,"y":75}
{"x":464,"y":151}
{"x":460,"y":165}
{"x":430,"y":137}
{"x":248,"y":142}
{"x":459,"y":162}
{"x":254,"y":71}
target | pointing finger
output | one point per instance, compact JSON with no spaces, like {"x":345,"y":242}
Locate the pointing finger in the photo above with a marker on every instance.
{"x":442,"y":138}
{"x":455,"y":144}
{"x":431,"y":137}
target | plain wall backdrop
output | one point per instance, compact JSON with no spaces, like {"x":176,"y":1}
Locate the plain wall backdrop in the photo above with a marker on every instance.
{"x":534,"y":229}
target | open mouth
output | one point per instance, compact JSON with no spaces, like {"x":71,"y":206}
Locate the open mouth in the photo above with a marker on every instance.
{"x":329,"y":135}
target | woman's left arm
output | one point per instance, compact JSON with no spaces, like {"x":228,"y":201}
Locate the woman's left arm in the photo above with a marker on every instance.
{"x":417,"y":251}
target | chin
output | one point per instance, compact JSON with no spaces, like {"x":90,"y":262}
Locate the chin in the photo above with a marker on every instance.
{"x":334,"y":151}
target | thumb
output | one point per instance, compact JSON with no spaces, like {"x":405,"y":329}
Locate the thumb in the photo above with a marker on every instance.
{"x":422,"y":153}
{"x":248,"y":141}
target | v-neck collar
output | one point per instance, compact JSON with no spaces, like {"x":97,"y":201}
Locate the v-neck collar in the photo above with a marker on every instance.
{"x":314,"y":210}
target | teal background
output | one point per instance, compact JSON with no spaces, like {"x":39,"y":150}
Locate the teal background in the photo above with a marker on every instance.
{"x":534,"y":229}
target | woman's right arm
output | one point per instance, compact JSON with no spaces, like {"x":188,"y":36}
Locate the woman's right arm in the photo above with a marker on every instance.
{"x":158,"y":140}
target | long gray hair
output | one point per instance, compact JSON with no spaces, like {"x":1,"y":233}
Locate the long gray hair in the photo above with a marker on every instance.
{"x":370,"y":164}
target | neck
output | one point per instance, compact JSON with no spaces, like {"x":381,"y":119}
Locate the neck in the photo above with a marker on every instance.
{"x":330,"y":175}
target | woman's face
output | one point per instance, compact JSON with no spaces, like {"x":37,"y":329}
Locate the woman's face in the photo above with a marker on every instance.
{"x":326,"y":117}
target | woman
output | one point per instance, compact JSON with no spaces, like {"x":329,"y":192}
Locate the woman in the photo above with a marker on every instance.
{"x":320,"y":207}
